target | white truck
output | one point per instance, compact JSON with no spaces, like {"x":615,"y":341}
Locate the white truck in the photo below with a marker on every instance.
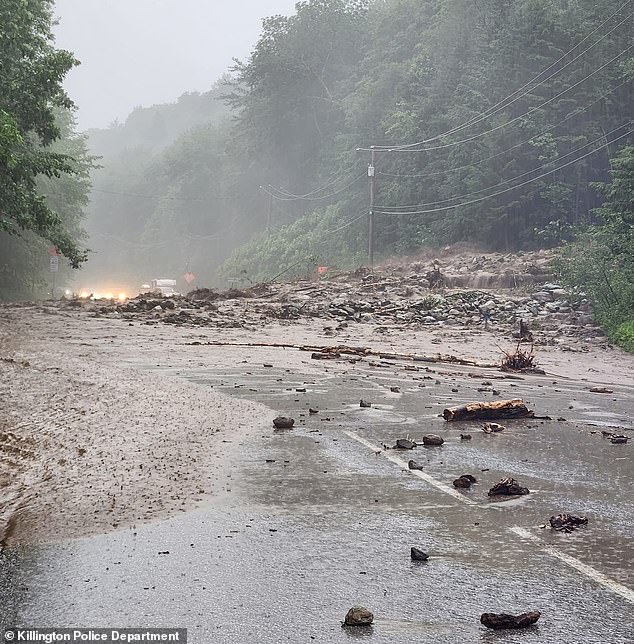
{"x":164,"y":287}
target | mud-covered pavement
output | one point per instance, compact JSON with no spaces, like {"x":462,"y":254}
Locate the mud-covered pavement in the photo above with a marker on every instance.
{"x":297,"y":526}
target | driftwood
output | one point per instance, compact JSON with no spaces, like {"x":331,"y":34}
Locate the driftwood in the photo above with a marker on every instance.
{"x":495,"y":410}
{"x":323,"y":352}
{"x":503,"y":620}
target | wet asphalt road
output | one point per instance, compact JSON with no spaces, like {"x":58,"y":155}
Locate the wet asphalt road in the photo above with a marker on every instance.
{"x":327,"y":522}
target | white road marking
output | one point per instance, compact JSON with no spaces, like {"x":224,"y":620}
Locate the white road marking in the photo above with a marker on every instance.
{"x":443,"y":487}
{"x":588,"y":571}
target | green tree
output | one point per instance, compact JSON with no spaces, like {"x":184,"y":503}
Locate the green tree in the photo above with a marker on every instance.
{"x":31,"y":75}
{"x":600,"y":263}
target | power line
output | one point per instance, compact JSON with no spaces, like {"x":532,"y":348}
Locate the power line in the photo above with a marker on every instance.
{"x":333,"y":194}
{"x":500,"y":192}
{"x":502,"y":104}
{"x":157,"y":197}
{"x":517,"y":118}
{"x":519,"y":176}
{"x":331,"y":181}
{"x":574,"y":113}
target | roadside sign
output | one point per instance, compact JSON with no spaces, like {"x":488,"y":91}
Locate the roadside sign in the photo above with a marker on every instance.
{"x":189,"y":277}
{"x":54,"y":263}
{"x":53,"y":251}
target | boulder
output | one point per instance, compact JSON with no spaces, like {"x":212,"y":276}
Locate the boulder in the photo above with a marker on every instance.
{"x":418,"y":555}
{"x":282,"y":422}
{"x":508,"y":487}
{"x":567,"y":522}
{"x":358,"y":616}
{"x":432,"y":440}
{"x":504,"y":620}
{"x":405,"y":443}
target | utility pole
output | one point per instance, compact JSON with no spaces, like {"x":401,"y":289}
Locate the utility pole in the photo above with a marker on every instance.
{"x":371,"y":179}
{"x":269,"y":210}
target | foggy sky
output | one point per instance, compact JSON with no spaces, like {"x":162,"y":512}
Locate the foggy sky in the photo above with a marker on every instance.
{"x":141,"y":52}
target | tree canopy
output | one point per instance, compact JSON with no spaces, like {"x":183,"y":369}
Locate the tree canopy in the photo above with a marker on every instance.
{"x":509,"y":113}
{"x":31,"y":97}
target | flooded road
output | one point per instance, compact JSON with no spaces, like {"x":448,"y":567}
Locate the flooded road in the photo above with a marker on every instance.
{"x":314,"y":520}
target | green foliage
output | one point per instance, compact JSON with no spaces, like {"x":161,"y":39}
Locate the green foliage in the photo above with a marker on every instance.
{"x":600,"y":263}
{"x":32,"y":71}
{"x":317,"y":239}
{"x":24,"y":265}
{"x":624,"y":335}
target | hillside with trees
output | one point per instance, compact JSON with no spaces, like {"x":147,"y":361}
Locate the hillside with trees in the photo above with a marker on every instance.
{"x":492,"y":121}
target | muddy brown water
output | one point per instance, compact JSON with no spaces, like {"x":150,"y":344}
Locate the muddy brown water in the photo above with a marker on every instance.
{"x":314,"y":520}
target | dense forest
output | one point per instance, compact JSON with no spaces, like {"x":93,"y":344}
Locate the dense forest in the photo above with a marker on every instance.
{"x":495,"y":122}
{"x":491,"y":121}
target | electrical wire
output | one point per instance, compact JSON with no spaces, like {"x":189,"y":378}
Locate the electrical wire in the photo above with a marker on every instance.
{"x":519,"y":176}
{"x":500,"y":192}
{"x":517,"y":118}
{"x":348,"y":223}
{"x":333,"y":179}
{"x":574,"y":113}
{"x":158,"y":197}
{"x":502,"y":104}
{"x":333,"y":194}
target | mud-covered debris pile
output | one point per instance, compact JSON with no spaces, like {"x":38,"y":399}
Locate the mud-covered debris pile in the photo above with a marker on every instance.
{"x":482,"y":291}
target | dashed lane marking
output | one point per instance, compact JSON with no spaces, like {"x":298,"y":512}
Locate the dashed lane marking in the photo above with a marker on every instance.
{"x":443,"y":487}
{"x":586,"y":570}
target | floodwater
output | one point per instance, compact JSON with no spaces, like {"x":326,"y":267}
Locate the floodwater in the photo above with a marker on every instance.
{"x":317,"y":519}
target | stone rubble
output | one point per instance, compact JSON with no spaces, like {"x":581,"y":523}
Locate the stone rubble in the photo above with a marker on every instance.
{"x":492,"y":290}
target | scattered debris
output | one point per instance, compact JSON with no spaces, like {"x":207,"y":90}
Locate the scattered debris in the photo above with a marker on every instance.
{"x":488,"y":411}
{"x":492,"y":428}
{"x":418,"y":555}
{"x":312,"y":411}
{"x":395,"y":390}
{"x":465,"y":437}
{"x":567,"y":522}
{"x":413,"y":465}
{"x":358,"y":616}
{"x":282,"y":422}
{"x":619,"y":440}
{"x":432,"y":440}
{"x":405,"y":443}
{"x":504,"y":620}
{"x":508,"y":487}
{"x":363,"y":403}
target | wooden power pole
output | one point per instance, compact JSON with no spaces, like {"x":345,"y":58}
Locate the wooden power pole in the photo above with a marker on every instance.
{"x":371,"y":179}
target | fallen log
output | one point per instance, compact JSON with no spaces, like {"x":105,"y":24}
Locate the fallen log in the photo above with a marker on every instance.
{"x":497,"y":409}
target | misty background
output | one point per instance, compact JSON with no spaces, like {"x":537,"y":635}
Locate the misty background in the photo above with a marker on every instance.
{"x":497,"y":125}
{"x":141,"y":52}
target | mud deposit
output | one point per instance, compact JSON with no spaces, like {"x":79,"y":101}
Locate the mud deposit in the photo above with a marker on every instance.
{"x":87,"y":446}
